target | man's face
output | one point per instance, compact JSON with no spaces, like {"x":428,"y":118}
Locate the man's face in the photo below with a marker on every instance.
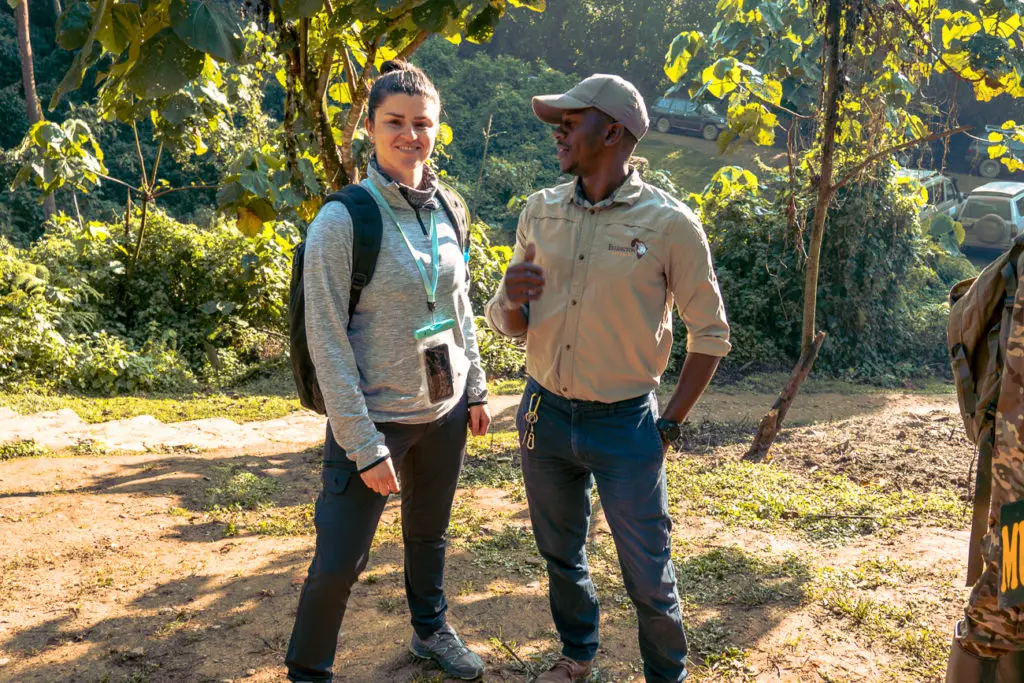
{"x":580,"y":141}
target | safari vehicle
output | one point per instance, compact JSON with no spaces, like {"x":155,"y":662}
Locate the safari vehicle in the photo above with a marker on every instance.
{"x":993,"y":216}
{"x":979,"y":161}
{"x":943,"y":194}
{"x":681,"y":113}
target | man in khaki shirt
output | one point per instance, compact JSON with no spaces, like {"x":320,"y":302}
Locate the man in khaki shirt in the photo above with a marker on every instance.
{"x":598,"y":264}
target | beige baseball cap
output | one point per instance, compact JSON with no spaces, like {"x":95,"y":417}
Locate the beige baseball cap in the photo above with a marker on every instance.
{"x":614,"y":95}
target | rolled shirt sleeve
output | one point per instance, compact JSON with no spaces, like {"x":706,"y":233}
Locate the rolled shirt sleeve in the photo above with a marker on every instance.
{"x":692,"y":281}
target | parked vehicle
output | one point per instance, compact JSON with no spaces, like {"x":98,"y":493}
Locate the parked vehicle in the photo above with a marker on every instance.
{"x":993,"y":216}
{"x":943,"y":194}
{"x":978,"y":159}
{"x":684,"y":114}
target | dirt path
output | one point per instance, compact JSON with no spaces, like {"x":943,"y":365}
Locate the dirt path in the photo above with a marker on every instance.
{"x":125,"y":569}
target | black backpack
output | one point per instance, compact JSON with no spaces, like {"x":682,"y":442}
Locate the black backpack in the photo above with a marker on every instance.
{"x":368,"y":230}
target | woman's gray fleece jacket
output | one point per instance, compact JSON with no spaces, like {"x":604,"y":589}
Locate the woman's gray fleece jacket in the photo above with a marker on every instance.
{"x":370,"y":368}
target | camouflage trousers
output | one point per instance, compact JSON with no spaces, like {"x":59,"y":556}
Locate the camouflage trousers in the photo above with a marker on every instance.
{"x":988,"y":630}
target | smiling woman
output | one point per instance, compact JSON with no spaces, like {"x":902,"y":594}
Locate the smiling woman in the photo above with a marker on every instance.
{"x":404,"y":131}
{"x":400,"y":374}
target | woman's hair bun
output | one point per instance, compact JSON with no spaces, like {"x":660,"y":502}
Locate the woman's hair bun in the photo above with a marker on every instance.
{"x":395,"y":65}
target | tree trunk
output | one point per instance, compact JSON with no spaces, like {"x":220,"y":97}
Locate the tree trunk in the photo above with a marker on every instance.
{"x":809,"y":342}
{"x":28,"y":82}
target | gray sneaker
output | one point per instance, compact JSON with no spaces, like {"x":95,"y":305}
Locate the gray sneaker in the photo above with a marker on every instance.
{"x":447,"y":649}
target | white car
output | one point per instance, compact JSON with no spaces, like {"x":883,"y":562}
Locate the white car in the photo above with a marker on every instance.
{"x":993,"y":216}
{"x":943,"y":194}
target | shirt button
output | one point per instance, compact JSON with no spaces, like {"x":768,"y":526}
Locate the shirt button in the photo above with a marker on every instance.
{"x":568,"y":347}
{"x":574,"y":302}
{"x":564,"y":389}
{"x":581,"y":257}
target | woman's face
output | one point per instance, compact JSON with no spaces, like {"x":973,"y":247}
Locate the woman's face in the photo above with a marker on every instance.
{"x":404,"y":128}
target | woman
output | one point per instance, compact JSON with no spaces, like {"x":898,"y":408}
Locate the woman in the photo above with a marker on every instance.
{"x":401,"y":379}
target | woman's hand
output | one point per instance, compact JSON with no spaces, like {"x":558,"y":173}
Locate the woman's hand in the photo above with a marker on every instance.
{"x":381,"y":478}
{"x":479,"y":419}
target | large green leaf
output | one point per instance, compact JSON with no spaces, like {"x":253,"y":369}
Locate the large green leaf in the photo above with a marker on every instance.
{"x":481,"y":28}
{"x":119,"y":26}
{"x":208,"y":27}
{"x":680,"y":52}
{"x":73,"y":26}
{"x":165,"y":65}
{"x":433,"y":16}
{"x":84,"y":58}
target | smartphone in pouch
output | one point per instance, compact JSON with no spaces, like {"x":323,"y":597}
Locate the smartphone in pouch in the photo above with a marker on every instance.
{"x":440,"y":381}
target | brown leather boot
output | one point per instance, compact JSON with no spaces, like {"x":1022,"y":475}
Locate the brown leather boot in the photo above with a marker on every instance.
{"x":965,"y":667}
{"x":565,"y":670}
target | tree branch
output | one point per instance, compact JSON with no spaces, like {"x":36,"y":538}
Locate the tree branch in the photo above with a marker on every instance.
{"x":156,"y":165}
{"x":117,"y":182}
{"x":182,"y":189}
{"x":875,"y":157}
{"x":776,"y":106}
{"x":355,"y":113}
{"x":407,"y":51}
{"x":326,"y":64}
{"x":138,"y":149}
{"x":350,"y":72}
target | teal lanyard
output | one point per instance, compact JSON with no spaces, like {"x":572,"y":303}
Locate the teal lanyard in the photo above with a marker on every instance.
{"x":429,"y":281}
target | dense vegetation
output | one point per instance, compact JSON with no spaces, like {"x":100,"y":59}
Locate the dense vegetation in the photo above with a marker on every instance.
{"x":203,"y":303}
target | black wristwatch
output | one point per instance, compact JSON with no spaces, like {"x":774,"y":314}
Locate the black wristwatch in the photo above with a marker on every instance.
{"x":668,"y":430}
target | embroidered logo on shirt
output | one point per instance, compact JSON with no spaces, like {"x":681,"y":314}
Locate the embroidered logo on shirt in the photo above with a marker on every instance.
{"x":637,"y":247}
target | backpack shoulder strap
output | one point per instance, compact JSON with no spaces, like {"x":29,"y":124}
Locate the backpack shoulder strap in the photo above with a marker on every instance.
{"x":457,"y":211}
{"x":367,"y":233}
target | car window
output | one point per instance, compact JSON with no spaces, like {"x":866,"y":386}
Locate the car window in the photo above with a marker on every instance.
{"x":664,"y":102}
{"x":684,"y":106}
{"x":934,"y":193}
{"x":1020,"y":208}
{"x":948,"y":191}
{"x":976,"y":207}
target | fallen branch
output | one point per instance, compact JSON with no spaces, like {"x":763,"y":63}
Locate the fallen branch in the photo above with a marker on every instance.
{"x":526,"y":667}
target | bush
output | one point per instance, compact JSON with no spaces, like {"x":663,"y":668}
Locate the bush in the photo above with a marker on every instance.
{"x":883,"y":284}
{"x":500,"y":356}
{"x":200,"y":302}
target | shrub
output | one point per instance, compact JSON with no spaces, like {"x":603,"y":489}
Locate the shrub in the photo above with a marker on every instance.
{"x":882,"y":285}
{"x":207,"y":302}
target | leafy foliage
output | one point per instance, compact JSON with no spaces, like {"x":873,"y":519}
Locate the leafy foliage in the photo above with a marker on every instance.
{"x":206,"y":303}
{"x":883,"y":287}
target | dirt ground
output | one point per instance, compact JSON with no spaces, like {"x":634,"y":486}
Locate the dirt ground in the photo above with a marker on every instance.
{"x":186,"y":567}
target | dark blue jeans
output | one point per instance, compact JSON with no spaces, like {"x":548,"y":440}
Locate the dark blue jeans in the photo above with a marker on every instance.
{"x":427,"y":458}
{"x":616,"y":445}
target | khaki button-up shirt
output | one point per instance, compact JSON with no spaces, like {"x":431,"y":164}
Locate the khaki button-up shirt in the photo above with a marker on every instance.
{"x":602,"y":329}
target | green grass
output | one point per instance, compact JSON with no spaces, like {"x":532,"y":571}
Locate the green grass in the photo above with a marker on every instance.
{"x":507,"y":387}
{"x":265,"y":398}
{"x":734,"y":576}
{"x":899,"y":624}
{"x":823,"y":506}
{"x":690,"y":168}
{"x":22,"y":449}
{"x":238,"y":488}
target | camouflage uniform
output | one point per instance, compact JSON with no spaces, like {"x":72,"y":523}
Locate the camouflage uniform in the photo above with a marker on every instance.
{"x":988,"y":630}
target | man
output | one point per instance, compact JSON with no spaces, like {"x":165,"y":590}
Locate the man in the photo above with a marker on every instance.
{"x":988,"y":644}
{"x":597,"y":266}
